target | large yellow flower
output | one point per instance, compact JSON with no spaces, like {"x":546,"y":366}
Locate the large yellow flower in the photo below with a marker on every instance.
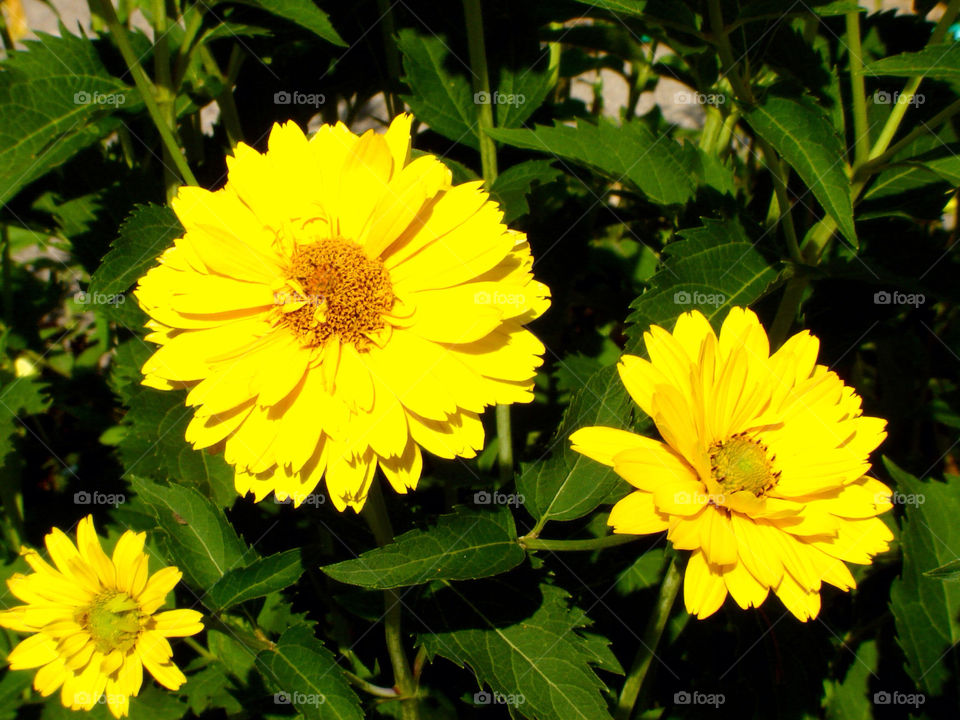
{"x":95,"y":620}
{"x":762,"y":472}
{"x":335,"y":307}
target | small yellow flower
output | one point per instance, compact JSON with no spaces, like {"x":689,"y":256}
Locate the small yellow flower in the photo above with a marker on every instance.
{"x":335,"y":308}
{"x":763,"y":470}
{"x":95,"y":620}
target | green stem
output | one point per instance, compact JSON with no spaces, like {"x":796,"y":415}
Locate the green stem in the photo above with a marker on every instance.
{"x":909,"y":90}
{"x":375,"y":514}
{"x":488,"y":164}
{"x":7,"y":280}
{"x":228,"y":106}
{"x":726,"y":132}
{"x":200,"y":649}
{"x":783,"y":200}
{"x":861,"y":129}
{"x":669,"y":588}
{"x":388,"y":31}
{"x":164,"y":90}
{"x":375,"y":690}
{"x":787,"y":310}
{"x":147,"y":90}
{"x":531,"y":542}
{"x":722,"y":40}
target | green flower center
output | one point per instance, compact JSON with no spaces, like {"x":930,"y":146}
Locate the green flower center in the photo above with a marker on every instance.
{"x":113,"y":621}
{"x":345,"y":293}
{"x":740,"y":463}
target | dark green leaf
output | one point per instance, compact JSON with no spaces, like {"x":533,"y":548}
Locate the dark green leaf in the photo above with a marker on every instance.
{"x":926,"y":609}
{"x":463,"y":545}
{"x":197,"y":535}
{"x":305,"y":675}
{"x":260,"y":578}
{"x":656,"y":166}
{"x":936,"y":62}
{"x":514,"y":184}
{"x":540,"y":662}
{"x":949,"y":571}
{"x":304,"y":13}
{"x":147,"y":232}
{"x":18,"y":397}
{"x":850,"y":699}
{"x":801,"y":132}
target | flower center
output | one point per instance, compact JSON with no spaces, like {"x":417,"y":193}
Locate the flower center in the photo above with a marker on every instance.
{"x":345,"y":293}
{"x":740,"y":463}
{"x":113,"y":621}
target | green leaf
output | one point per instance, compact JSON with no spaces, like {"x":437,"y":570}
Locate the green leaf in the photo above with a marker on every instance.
{"x":948,"y":571}
{"x":936,"y":62}
{"x":801,"y":132}
{"x":514,"y":184}
{"x":569,"y":485}
{"x":643,"y":573}
{"x":18,"y":397}
{"x":925,"y":609}
{"x":463,"y":545}
{"x":444,"y":101}
{"x":520,"y":92}
{"x":211,"y":687}
{"x":305,"y":675}
{"x":541,"y":660}
{"x":850,"y":699}
{"x":304,"y":13}
{"x":196,"y":533}
{"x":51,"y":108}
{"x":655,"y":165}
{"x":711,"y":269}
{"x":147,"y":232}
{"x":260,"y":578}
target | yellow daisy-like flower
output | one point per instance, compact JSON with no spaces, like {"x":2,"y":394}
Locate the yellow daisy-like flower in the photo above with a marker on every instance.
{"x":336,"y":307}
{"x":762,"y":472}
{"x":95,"y":620}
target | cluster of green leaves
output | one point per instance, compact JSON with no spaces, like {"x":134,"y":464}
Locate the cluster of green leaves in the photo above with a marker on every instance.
{"x":816,"y":183}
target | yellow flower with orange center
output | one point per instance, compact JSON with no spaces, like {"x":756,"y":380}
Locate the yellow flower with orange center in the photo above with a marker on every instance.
{"x":762,"y":472}
{"x":94,"y":620}
{"x":338,"y":306}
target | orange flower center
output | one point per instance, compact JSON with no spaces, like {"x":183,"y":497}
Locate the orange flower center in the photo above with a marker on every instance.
{"x":337,"y":290}
{"x":741,"y":463}
{"x":113,"y":621}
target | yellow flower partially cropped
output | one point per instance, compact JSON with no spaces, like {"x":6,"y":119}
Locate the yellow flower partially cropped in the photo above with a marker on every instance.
{"x":335,"y":308}
{"x":94,"y":620}
{"x":762,"y":474}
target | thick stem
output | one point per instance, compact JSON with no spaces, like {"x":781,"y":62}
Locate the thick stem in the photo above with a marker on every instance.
{"x":375,"y":513}
{"x":669,"y":588}
{"x":165,"y":92}
{"x":388,"y":32}
{"x":783,"y":200}
{"x":147,"y":90}
{"x":722,"y":40}
{"x":534,"y":543}
{"x":861,"y":129}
